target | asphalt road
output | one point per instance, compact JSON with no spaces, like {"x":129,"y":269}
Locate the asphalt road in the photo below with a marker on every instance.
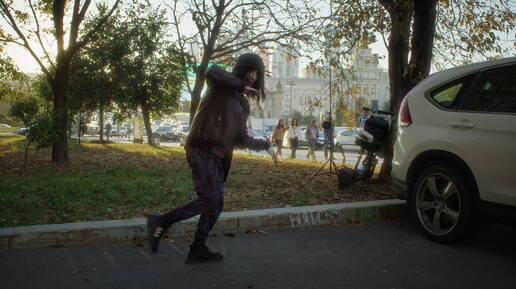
{"x":386,"y":254}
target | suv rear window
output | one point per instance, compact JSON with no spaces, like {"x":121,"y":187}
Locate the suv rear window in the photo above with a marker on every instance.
{"x":496,"y":91}
{"x":446,"y":96}
{"x":449,"y":95}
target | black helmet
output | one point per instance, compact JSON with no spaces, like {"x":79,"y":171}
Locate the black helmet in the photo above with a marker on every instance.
{"x":250,"y":60}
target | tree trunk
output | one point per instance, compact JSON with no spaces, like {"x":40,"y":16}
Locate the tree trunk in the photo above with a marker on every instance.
{"x":207,"y":55}
{"x":199,"y":84}
{"x":101,"y":123}
{"x":423,"y":32}
{"x":147,"y":122}
{"x":400,"y":13}
{"x":196,"y":94}
{"x":79,"y":129}
{"x":60,"y":112}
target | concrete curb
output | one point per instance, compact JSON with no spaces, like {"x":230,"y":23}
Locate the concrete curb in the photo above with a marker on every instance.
{"x":135,"y":229}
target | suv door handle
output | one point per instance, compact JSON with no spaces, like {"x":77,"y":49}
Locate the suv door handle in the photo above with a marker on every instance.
{"x":462,"y":125}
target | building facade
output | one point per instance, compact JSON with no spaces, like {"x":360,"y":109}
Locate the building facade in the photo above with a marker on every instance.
{"x":309,"y":93}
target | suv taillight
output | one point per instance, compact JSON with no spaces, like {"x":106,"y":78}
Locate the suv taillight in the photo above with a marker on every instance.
{"x":404,"y":117}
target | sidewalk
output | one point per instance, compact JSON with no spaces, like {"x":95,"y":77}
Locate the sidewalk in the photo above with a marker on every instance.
{"x":369,"y":255}
{"x":229,"y":222}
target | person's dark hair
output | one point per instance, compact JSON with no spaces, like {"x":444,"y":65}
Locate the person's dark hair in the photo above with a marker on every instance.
{"x":326,"y":124}
{"x":248,"y":61}
{"x":279,"y":123}
{"x":292,"y":122}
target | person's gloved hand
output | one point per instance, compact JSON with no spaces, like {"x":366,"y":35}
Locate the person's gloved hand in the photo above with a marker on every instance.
{"x":251,"y":91}
{"x":274,"y":157}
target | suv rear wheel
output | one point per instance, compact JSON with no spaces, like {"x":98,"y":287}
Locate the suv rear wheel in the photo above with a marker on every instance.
{"x":442,"y":205}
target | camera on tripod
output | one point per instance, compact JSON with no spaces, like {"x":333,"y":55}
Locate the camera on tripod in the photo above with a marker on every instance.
{"x":372,"y":140}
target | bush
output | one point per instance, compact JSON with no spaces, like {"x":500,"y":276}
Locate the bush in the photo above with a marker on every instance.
{"x":41,"y":133}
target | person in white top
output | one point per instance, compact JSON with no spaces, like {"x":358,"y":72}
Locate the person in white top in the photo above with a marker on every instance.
{"x":293,"y":134}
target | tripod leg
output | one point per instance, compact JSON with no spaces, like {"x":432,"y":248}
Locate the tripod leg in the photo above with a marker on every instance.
{"x":317,"y":172}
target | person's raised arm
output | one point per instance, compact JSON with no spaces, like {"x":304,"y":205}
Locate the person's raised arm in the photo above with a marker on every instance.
{"x":216,"y":76}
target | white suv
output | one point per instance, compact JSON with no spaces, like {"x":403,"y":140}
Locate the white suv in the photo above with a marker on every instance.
{"x":455,"y":152}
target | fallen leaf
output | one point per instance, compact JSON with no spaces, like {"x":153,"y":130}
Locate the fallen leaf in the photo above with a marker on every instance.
{"x":248,"y":231}
{"x":263,"y":232}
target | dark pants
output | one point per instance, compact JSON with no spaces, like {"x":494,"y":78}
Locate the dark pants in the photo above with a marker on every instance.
{"x":208,"y":179}
{"x":279,"y":145}
{"x":293,"y":147}
{"x":311,"y":148}
{"x":328,"y":145}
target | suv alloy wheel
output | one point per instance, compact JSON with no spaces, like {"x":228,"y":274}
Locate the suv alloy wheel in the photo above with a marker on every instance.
{"x":442,"y":204}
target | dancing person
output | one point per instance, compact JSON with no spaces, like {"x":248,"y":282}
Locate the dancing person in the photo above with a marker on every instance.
{"x":218,"y":126}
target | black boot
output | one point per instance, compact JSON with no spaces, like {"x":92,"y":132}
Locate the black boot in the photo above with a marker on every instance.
{"x":154,"y":232}
{"x":200,"y":253}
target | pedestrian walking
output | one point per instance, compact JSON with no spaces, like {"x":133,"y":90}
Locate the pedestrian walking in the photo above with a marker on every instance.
{"x":218,"y":126}
{"x":108,"y":131}
{"x":278,"y":133}
{"x":293,"y":134}
{"x":312,"y":134}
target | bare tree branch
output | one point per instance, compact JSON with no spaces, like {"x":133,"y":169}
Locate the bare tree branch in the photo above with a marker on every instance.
{"x":38,"y":35}
{"x":12,"y":23}
{"x":7,"y":40}
{"x":74,"y":25}
{"x":181,"y":45}
{"x":84,"y":9}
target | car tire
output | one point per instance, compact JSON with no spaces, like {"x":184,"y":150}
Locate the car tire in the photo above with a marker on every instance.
{"x":442,"y":204}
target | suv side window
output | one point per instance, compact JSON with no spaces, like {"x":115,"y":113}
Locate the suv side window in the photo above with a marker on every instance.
{"x":495,"y":91}
{"x":449,"y":96}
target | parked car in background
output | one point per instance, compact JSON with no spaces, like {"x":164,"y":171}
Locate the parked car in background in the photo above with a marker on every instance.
{"x":3,"y":125}
{"x":260,"y":133}
{"x":346,"y":136}
{"x":183,"y":130}
{"x":455,"y":153}
{"x":22,"y":131}
{"x":167,"y":133}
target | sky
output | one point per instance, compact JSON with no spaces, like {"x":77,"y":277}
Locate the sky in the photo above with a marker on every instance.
{"x":27,"y":64}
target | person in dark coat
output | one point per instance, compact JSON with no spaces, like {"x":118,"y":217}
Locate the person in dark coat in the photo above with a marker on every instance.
{"x":218,"y":126}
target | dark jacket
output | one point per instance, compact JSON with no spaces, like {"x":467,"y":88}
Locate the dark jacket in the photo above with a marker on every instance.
{"x":220,"y":122}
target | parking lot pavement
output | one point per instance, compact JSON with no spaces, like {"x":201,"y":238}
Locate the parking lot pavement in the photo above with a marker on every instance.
{"x":386,"y":254}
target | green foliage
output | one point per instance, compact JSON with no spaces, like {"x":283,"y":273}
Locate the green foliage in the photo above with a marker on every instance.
{"x":297,"y":115}
{"x":10,"y":78}
{"x":126,"y":64}
{"x":307,"y":120}
{"x":26,"y":110}
{"x":150,"y":69}
{"x":41,"y":133}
